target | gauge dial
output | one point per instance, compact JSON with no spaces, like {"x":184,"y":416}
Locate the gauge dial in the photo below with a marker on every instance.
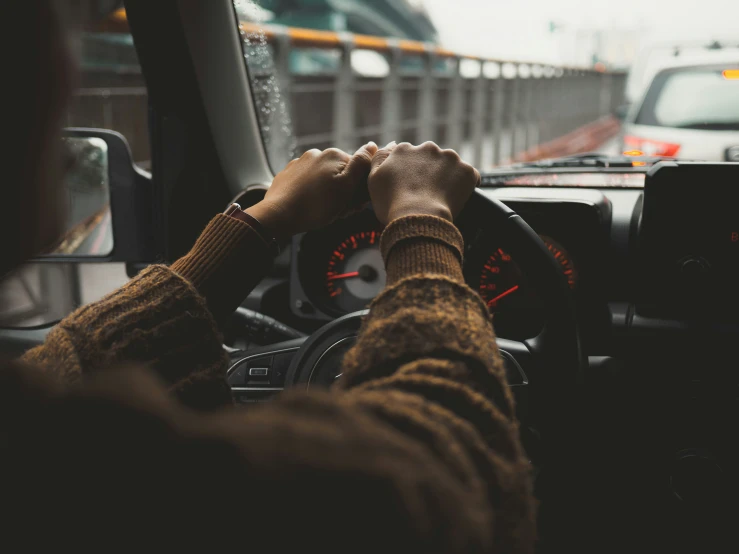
{"x":500,"y":282}
{"x":563,"y":259}
{"x":512,"y":303}
{"x":355,"y":273}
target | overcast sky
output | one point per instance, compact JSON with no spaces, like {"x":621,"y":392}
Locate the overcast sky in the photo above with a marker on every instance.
{"x":519,"y":29}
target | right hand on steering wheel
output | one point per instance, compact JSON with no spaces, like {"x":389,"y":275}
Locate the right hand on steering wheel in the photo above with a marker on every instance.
{"x":419,"y":180}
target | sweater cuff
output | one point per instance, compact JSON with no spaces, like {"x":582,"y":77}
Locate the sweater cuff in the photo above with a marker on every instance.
{"x":228,"y":259}
{"x":422,"y":244}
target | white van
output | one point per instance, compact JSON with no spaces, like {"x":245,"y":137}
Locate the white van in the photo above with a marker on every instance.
{"x":686,"y":109}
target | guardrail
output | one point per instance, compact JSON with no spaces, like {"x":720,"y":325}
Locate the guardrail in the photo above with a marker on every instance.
{"x":503,"y":113}
{"x":497,"y":112}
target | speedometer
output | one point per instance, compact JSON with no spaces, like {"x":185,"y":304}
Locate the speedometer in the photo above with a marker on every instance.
{"x":355,"y":273}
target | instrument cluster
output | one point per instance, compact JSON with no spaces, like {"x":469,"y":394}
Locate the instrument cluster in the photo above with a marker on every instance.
{"x":339,"y":269}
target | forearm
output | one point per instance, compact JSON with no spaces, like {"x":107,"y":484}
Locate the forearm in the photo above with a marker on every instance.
{"x":225,"y":264}
{"x":165,"y":317}
{"x":426,"y":309}
{"x":426,"y":363}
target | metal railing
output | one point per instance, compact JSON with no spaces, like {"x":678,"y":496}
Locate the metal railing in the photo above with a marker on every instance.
{"x":503,"y":112}
{"x":500,"y":114}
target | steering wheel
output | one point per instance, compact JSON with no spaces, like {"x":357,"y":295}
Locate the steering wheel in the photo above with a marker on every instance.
{"x":550,"y":364}
{"x":543,"y":370}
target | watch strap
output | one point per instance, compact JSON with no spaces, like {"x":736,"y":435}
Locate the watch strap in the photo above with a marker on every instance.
{"x":235,"y":211}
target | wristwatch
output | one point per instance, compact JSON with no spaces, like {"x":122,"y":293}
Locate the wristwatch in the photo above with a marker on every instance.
{"x":235,"y":211}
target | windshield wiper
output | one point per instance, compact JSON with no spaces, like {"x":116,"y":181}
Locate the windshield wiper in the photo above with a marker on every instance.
{"x":588,"y":160}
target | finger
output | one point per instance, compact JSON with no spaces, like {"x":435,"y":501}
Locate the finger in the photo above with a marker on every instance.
{"x":382,"y":155}
{"x":360,"y":163}
{"x":430,"y":145}
{"x":337,"y":158}
{"x":371,"y":148}
{"x":478,"y":178}
{"x":357,"y":171}
{"x":451,"y":154}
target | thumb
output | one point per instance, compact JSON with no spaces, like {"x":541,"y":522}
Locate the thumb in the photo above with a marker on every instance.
{"x":382,"y":155}
{"x":360,"y":163}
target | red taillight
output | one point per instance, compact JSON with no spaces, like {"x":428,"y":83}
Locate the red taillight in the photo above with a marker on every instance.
{"x":651,"y":147}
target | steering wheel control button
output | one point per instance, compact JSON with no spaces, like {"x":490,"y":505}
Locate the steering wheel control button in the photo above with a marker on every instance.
{"x":237,"y":377}
{"x":280,"y":365}
{"x":258,"y":369}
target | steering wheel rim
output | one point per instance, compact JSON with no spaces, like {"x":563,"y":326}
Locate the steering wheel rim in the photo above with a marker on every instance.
{"x":554,"y":363}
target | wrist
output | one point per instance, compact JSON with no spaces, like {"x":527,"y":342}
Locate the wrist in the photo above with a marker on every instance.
{"x":432,"y":208}
{"x":272,"y":219}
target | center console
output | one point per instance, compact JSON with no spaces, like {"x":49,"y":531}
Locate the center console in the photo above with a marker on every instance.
{"x":689,"y":242}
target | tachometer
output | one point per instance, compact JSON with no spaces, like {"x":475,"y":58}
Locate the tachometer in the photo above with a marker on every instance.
{"x":355,"y":273}
{"x":513,"y":304}
{"x":563,"y":259}
{"x":500,"y":282}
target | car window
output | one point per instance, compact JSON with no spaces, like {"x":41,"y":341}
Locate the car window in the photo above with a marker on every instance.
{"x":271,"y":102}
{"x":692,"y":99}
{"x":111,"y":94}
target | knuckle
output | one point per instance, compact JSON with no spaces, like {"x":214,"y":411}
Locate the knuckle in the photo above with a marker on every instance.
{"x":334,"y":153}
{"x":451,"y":155}
{"x":404,"y":146}
{"x":430,"y":145}
{"x":470,"y":172}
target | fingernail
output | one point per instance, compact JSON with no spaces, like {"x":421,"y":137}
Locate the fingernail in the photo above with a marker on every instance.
{"x":372,"y":143}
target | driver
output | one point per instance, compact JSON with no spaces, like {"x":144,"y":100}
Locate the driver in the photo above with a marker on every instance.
{"x":119,"y":433}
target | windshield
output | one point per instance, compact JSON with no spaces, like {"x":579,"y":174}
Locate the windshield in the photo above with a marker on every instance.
{"x":501,"y":83}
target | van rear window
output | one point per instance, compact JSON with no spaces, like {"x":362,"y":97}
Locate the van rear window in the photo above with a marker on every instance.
{"x":692,"y":98}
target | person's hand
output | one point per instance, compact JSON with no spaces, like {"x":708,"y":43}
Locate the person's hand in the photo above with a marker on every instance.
{"x":314,"y":190}
{"x":419,"y":180}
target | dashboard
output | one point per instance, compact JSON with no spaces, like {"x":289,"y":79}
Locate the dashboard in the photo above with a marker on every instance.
{"x":339,"y":269}
{"x":652,"y":260}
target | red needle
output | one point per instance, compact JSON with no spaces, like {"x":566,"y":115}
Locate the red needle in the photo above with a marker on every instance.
{"x":344,"y":276}
{"x":502,"y":294}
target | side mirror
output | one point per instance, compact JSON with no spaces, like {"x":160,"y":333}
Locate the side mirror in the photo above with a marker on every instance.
{"x":110,"y":216}
{"x":622,"y":111}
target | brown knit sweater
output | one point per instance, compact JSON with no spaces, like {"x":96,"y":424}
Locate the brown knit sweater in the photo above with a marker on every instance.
{"x":112,"y":434}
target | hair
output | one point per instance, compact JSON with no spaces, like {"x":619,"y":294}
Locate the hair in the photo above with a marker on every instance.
{"x":38,"y":65}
